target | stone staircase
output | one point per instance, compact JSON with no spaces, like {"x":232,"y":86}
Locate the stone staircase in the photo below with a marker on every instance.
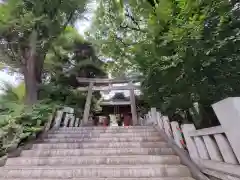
{"x":98,"y":153}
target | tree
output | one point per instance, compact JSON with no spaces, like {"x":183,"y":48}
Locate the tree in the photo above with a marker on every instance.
{"x":70,"y":57}
{"x":28,"y":30}
{"x":186,"y":50}
{"x":115,"y":32}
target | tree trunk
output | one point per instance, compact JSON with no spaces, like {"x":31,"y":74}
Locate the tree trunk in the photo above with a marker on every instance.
{"x":31,"y":89}
{"x":32,"y":70}
{"x":32,"y":78}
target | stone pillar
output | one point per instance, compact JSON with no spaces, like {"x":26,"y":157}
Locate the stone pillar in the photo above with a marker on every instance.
{"x":154,"y":116}
{"x":88,"y":103}
{"x":228,"y":113}
{"x":225,"y":149}
{"x":58,"y":119}
{"x":72,"y":119}
{"x":191,"y":146}
{"x":148,"y":117}
{"x":133,"y":105}
{"x":66,"y":120}
{"x":201,"y":147}
{"x":48,"y":124}
{"x":76,"y":124}
{"x":167,"y":126}
{"x":159,"y":120}
{"x":177,"y":134}
{"x":212,"y":148}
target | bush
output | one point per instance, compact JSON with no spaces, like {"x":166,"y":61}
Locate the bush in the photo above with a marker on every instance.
{"x":18,"y":123}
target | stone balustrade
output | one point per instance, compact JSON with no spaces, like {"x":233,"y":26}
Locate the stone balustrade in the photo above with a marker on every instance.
{"x":215,"y":150}
{"x":211,"y":149}
{"x":66,"y":118}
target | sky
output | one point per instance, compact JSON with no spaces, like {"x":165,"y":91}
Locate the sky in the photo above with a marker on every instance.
{"x":83,"y":24}
{"x":5,"y":77}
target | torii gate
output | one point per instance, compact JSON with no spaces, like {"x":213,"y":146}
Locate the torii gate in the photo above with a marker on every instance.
{"x":131,"y":87}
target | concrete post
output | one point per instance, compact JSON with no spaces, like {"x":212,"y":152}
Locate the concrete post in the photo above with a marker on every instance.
{"x":144,"y":122}
{"x":191,"y":146}
{"x":225,"y":149}
{"x":58,"y":119}
{"x":133,"y":105}
{"x":88,"y":103}
{"x":201,"y":147}
{"x":177,"y":134}
{"x":72,"y":119}
{"x":76,"y":124}
{"x":66,"y":120}
{"x":228,"y":113}
{"x":48,"y":124}
{"x":166,"y":126}
{"x":149,"y":117}
{"x":159,"y":120}
{"x":212,"y":148}
{"x":154,"y":116}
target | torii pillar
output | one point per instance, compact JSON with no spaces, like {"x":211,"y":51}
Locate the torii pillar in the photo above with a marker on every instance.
{"x":133,"y":105}
{"x":88,"y":104}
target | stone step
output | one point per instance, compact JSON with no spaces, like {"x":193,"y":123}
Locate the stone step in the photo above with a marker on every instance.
{"x":103,"y":131}
{"x":93,"y":160}
{"x":100,"y":152}
{"x":102,"y":140}
{"x":109,"y":127}
{"x":102,"y":135}
{"x":153,"y":178}
{"x":106,"y":130}
{"x":116,"y":171}
{"x":101,"y":145}
{"x":110,"y":131}
{"x":121,"y":130}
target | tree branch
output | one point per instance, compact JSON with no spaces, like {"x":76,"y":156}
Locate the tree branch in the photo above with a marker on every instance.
{"x":68,"y":20}
{"x":8,"y":51}
{"x":51,"y":39}
{"x":132,"y":28}
{"x":12,"y":51}
{"x":125,"y":44}
{"x":133,"y":20}
{"x":56,"y":9}
{"x":127,"y":14}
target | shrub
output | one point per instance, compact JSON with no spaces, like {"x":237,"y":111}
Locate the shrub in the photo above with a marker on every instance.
{"x":18,"y":123}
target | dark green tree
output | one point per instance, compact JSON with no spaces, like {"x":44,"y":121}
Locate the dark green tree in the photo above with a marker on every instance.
{"x":27,"y":32}
{"x":187,"y":51}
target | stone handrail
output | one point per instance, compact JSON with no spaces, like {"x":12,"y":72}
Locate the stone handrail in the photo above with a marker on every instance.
{"x":66,"y":118}
{"x":184,"y":157}
{"x":171,"y":133}
{"x":172,"y":129}
{"x":215,"y":150}
{"x":211,"y":150}
{"x":207,"y":131}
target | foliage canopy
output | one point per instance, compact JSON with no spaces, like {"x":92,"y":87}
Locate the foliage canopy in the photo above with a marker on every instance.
{"x":187,"y":51}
